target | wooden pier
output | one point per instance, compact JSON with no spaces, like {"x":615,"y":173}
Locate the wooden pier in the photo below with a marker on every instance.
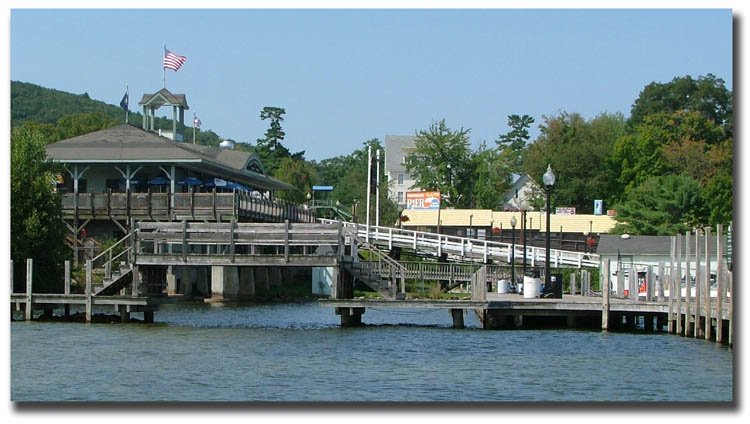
{"x":148,"y":252}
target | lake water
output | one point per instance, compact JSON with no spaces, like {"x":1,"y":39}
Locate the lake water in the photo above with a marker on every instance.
{"x":298,"y":352}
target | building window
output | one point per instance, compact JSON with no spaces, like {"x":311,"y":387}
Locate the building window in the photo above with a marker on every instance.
{"x":400,"y":196}
{"x":400,"y":178}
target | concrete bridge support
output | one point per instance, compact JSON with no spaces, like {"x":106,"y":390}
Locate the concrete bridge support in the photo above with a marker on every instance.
{"x":458,"y":318}
{"x":350,"y":317}
{"x":246,"y":277}
{"x":224,"y":282}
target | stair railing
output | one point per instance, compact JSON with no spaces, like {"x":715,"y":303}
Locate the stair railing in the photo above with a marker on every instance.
{"x":386,"y":266}
{"x":109,"y":256}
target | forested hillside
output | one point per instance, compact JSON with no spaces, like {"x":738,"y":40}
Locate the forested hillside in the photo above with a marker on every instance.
{"x":33,"y":103}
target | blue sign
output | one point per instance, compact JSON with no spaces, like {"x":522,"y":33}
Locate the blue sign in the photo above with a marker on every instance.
{"x":322,"y":188}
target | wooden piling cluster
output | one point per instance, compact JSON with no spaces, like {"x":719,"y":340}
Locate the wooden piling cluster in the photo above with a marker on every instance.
{"x":696,"y":306}
{"x":123,"y":304}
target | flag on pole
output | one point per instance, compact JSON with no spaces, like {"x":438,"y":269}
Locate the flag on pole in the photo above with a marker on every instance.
{"x":173,"y":61}
{"x":124,"y":101}
{"x":196,"y":121}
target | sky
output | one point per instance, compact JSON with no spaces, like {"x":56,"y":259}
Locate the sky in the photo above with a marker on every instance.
{"x":348,"y":76}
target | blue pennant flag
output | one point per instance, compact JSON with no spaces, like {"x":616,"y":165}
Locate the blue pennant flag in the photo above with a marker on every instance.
{"x":124,"y":101}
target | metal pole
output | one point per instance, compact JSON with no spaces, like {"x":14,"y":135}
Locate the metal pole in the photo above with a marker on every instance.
{"x":377,"y":190}
{"x":547,"y":243}
{"x":369,"y":190}
{"x":513,"y":255}
{"x":523,"y":229}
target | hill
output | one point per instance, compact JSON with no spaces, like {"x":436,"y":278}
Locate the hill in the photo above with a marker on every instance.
{"x":34,"y":103}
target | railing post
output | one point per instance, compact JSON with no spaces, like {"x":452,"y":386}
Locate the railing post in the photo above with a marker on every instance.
{"x":184,"y":241}
{"x":604,"y":283}
{"x":67,"y":277}
{"x":286,"y":240}
{"x":89,"y":289}
{"x":232,"y":224}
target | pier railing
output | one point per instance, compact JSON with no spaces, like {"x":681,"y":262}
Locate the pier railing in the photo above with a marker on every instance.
{"x":468,"y":248}
{"x":233,"y":243}
{"x":213,"y":205}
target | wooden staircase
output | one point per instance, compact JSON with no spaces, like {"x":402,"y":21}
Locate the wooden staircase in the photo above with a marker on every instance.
{"x":121,"y":276}
{"x":382,"y":273}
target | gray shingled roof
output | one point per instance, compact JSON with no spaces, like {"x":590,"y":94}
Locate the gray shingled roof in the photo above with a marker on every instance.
{"x":164,"y":96}
{"x":128,"y":144}
{"x":644,"y":245}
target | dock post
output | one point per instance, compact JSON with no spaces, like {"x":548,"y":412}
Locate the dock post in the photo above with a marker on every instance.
{"x":88,"y":290}
{"x":28,"y":313}
{"x":698,"y":329}
{"x":719,"y":285}
{"x":458,"y":318}
{"x":604,"y":283}
{"x":678,"y":283}
{"x":707,"y":278}
{"x":124,"y":314}
{"x":67,"y":287}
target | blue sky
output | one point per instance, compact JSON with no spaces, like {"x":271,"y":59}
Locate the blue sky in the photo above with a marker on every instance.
{"x":346,"y":76}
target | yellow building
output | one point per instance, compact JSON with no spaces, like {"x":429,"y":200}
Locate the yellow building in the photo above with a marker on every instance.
{"x":567,"y":231}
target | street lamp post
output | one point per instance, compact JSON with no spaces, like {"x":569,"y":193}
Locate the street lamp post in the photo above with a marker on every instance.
{"x":513,"y":250}
{"x":524,"y":207}
{"x":309,"y":206}
{"x":549,"y":180}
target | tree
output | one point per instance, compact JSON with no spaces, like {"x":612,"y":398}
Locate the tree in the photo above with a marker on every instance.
{"x":297,"y":173}
{"x":441,"y":161}
{"x":662,"y":205}
{"x":492,"y":178}
{"x":707,"y":96}
{"x":37,"y":229}
{"x":269,"y":148}
{"x":348,"y":176}
{"x":579,"y":152}
{"x":512,"y":144}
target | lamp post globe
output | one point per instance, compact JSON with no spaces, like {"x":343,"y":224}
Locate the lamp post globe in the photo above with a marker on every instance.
{"x":549,"y":180}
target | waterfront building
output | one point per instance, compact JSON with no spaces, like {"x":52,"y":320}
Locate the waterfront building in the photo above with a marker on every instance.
{"x":125,"y":173}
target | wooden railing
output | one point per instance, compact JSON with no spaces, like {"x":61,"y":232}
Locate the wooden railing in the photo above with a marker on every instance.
{"x":232,"y":242}
{"x":176,"y":206}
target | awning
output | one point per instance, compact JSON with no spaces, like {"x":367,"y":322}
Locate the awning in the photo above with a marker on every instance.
{"x":158,"y":181}
{"x":191,"y":181}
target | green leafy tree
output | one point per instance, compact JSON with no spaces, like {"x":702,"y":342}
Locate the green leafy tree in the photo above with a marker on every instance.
{"x":512,"y":144}
{"x":297,"y":173}
{"x":664,"y":143}
{"x":83,"y":123}
{"x":269,"y":148}
{"x":579,"y":153}
{"x":37,"y":229}
{"x":348,"y":176}
{"x":662,"y":205}
{"x":442,"y":161}
{"x":492,"y":178}
{"x":706,"y":95}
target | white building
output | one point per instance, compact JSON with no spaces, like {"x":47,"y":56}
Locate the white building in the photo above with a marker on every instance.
{"x":397,"y":147}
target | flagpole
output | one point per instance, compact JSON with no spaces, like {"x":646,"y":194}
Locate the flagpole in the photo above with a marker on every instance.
{"x":193,"y":128}
{"x":163,"y":69}
{"x":127,"y":108}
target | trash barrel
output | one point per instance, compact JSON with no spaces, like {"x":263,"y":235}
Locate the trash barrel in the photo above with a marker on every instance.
{"x":531,"y":287}
{"x":502,"y":286}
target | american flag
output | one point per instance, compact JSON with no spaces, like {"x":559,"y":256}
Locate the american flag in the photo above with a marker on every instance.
{"x":173,"y":61}
{"x":196,"y":121}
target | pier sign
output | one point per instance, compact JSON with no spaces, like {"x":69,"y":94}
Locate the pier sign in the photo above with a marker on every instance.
{"x":422,"y":199}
